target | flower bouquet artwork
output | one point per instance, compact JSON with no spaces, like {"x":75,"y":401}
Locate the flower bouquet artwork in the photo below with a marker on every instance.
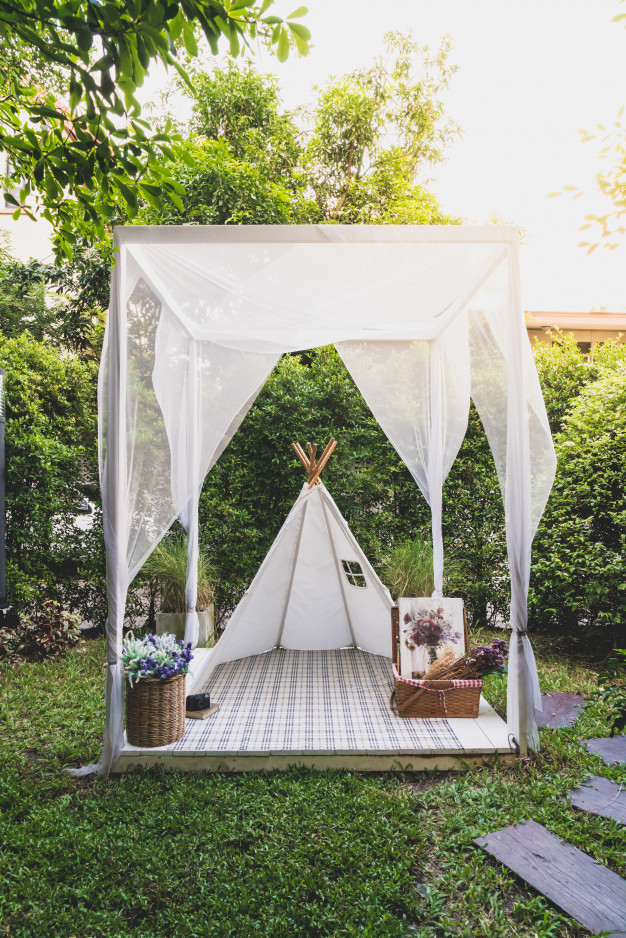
{"x":156,"y":666}
{"x":427,"y":628}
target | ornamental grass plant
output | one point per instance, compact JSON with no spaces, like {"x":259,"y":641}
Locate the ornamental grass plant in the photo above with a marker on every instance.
{"x":167,"y":567}
{"x":409,"y":569}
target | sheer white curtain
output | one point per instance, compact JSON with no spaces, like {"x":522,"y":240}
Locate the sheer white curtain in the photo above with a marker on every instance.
{"x":199,"y":317}
{"x":419,"y":393}
{"x":507,"y":394}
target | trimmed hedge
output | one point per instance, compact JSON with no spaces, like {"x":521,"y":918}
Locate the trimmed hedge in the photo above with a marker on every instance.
{"x":51,"y":451}
{"x":578,"y":573}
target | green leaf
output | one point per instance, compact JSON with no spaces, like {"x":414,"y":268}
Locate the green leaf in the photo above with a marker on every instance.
{"x":84,"y":38}
{"x":299,"y":30}
{"x":282,"y":52}
{"x":176,"y":200}
{"x":301,"y":11}
{"x":151,"y":195}
{"x":129,"y":196}
{"x":76,"y":93}
{"x":189,"y":40}
{"x":234,"y":42}
{"x":176,"y":25}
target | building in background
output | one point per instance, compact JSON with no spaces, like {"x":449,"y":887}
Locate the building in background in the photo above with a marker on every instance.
{"x":588,"y":328}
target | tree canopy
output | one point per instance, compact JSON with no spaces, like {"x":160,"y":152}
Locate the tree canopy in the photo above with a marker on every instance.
{"x":357,"y":155}
{"x":70,"y":122}
{"x":374,"y":131}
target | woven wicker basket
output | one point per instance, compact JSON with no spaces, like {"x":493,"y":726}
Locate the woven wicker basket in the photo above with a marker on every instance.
{"x":440,"y":698}
{"x":155,"y":711}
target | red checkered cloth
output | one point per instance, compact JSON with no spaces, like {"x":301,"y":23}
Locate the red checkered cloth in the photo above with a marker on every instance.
{"x":417,"y":683}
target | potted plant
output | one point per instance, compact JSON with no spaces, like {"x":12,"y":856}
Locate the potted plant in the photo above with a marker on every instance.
{"x":167,"y":567}
{"x":156,"y":666}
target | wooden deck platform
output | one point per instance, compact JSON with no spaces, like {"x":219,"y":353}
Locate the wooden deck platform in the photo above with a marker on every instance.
{"x":323,"y":709}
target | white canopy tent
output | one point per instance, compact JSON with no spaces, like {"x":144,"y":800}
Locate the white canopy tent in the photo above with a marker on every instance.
{"x":424,"y":317}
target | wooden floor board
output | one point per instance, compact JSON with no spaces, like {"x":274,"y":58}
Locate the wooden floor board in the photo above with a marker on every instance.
{"x":600,"y":795}
{"x":587,"y":891}
{"x":317,"y":708}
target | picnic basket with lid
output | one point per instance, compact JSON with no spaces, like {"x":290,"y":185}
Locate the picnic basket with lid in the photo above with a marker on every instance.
{"x":431,"y":699}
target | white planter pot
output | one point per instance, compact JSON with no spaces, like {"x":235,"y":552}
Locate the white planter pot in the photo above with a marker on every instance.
{"x":174,"y":622}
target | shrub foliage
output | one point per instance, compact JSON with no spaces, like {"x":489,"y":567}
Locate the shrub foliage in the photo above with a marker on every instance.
{"x":577,"y":575}
{"x":50,"y":451}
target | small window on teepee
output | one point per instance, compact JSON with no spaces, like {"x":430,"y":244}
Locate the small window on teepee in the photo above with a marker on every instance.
{"x":354,"y":573}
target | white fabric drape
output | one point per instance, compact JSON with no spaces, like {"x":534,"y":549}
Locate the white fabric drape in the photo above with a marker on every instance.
{"x":199,"y":317}
{"x":203,"y":392}
{"x":419,"y":393}
{"x":507,"y":394}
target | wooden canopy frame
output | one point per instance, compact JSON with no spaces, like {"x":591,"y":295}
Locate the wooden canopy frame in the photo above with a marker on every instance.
{"x":313,"y":469}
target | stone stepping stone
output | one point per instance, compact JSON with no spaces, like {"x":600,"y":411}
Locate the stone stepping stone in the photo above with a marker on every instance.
{"x":600,"y":795}
{"x":585,"y":890}
{"x":612,"y":750}
{"x":559,"y":709}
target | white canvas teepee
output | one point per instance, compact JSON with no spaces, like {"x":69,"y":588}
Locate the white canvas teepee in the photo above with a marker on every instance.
{"x":314,"y":590}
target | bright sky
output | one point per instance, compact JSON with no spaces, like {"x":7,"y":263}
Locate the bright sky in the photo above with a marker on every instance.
{"x":532,"y":73}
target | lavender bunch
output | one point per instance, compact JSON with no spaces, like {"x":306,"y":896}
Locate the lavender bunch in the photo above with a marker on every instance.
{"x":489,"y":659}
{"x":155,"y":656}
{"x":479,"y":661}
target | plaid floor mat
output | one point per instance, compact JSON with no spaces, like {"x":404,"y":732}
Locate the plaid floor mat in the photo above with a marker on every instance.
{"x":323,"y":701}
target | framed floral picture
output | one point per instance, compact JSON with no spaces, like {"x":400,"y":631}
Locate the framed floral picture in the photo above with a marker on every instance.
{"x":427,"y":627}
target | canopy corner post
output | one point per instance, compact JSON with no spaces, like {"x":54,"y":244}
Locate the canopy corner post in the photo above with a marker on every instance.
{"x":115,"y":513}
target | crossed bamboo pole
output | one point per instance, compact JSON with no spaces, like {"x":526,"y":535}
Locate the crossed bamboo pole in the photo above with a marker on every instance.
{"x":313,"y":469}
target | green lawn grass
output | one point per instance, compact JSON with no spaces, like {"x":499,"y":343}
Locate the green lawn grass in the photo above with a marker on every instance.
{"x":301,"y":853}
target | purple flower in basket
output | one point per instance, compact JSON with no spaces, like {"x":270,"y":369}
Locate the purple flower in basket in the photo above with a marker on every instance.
{"x":155,"y":656}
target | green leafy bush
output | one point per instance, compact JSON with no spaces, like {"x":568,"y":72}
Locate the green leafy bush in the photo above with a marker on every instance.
{"x":50,"y":631}
{"x":51,"y":452}
{"x":612,"y":688}
{"x":563,"y":373}
{"x":578,"y":573}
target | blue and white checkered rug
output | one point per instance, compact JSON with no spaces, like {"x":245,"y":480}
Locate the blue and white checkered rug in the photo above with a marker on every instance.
{"x":309,"y":701}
